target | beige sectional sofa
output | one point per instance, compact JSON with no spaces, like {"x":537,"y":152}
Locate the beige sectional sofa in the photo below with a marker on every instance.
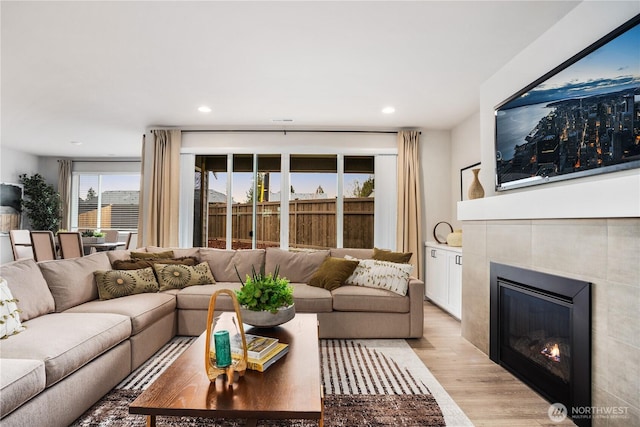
{"x":76,"y":347}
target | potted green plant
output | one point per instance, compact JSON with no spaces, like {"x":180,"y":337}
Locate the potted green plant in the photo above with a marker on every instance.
{"x":91,"y":236}
{"x":41,"y":203}
{"x":265,"y":300}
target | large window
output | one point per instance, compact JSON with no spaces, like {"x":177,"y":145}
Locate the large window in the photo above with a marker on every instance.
{"x":105,"y":201}
{"x":328,"y":198}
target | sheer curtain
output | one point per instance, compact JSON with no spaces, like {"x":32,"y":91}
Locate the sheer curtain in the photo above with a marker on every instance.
{"x":159,"y":189}
{"x":64,"y":188}
{"x":409,"y":231}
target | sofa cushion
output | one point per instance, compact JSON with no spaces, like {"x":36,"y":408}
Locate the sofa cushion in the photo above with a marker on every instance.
{"x":119,"y":255}
{"x":177,"y":252}
{"x":143,"y":309}
{"x":176,"y":276}
{"x":387,"y":255}
{"x":381,"y":274}
{"x":67,"y":341}
{"x":297,"y":266}
{"x":309,"y":299}
{"x":359,"y":298}
{"x":197,"y":297}
{"x":120,"y":283}
{"x":72,"y":281}
{"x":29,"y":287}
{"x":353,"y":252}
{"x":332,"y":273}
{"x":20,"y":380}
{"x":9,"y":313}
{"x":222,"y":262}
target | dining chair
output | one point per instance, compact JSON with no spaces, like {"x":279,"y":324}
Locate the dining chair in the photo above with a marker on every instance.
{"x":132,"y":240}
{"x":70,"y":244}
{"x":44,"y":247}
{"x":110,"y":236}
{"x":20,"y":244}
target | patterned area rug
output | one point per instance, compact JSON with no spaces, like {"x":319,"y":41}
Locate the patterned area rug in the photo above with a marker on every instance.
{"x":372,"y":383}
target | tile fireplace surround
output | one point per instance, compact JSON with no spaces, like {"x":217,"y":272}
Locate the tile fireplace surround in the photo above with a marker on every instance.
{"x":603,"y":251}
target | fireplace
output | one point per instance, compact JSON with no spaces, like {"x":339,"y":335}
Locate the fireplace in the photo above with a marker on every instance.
{"x":540,"y":330}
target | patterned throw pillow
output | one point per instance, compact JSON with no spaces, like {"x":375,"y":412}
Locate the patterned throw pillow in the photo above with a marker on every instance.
{"x":175,"y":276}
{"x":381,"y":274}
{"x":120,"y":283}
{"x":9,"y":312}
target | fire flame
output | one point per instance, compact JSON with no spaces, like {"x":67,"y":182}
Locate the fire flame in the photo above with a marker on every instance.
{"x":552,"y":352}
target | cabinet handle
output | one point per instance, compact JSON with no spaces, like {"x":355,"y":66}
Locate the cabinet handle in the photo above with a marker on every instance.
{"x":459,"y":259}
{"x":433,"y":253}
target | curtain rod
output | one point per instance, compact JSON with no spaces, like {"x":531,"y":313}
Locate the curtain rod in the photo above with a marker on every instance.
{"x":285,"y":131}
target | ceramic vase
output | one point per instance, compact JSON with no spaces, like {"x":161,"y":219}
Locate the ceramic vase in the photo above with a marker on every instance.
{"x":475,"y":189}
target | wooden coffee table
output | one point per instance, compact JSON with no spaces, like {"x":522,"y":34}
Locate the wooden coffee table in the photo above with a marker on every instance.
{"x":289,"y":389}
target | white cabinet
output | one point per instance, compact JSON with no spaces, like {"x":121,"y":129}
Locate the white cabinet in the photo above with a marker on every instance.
{"x":444,"y":277}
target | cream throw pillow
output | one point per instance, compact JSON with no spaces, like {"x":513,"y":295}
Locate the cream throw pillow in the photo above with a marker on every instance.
{"x":9,"y":312}
{"x":387,"y":275}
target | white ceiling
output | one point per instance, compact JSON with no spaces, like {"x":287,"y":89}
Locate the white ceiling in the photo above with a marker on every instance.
{"x":101,"y":73}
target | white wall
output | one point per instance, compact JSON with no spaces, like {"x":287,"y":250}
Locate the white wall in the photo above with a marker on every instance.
{"x":584,"y":25}
{"x":465,"y":151}
{"x":435,"y":161}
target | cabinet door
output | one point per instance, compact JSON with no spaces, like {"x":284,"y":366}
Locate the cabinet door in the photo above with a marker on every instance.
{"x":455,"y":284}
{"x":436,"y":284}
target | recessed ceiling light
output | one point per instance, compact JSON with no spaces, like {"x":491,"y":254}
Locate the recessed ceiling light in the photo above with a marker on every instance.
{"x":204,"y":109}
{"x":75,"y":142}
{"x":388,"y":110}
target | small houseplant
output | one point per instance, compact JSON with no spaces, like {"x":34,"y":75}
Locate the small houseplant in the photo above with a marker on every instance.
{"x":91,"y":236}
{"x":265,"y":299}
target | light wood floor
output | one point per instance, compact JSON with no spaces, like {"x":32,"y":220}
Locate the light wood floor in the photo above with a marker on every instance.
{"x":486,"y":392}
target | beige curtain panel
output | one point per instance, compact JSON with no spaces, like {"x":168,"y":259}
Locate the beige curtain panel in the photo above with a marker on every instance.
{"x":409,"y":232}
{"x":159,"y":189}
{"x":64,"y":188}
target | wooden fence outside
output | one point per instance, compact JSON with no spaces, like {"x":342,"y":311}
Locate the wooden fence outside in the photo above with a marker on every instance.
{"x":312,"y":223}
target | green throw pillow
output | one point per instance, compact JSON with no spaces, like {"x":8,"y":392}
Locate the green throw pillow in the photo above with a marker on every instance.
{"x":120,"y":283}
{"x":136,"y":264}
{"x":175,"y":276}
{"x":386,"y":255}
{"x":151,"y":255}
{"x":332,"y":273}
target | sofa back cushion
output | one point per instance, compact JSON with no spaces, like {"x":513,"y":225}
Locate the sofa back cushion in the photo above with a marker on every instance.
{"x":354,"y":252}
{"x":72,"y":281}
{"x":29,"y":287}
{"x":297,"y":266}
{"x":177,"y":252}
{"x":222,"y":262}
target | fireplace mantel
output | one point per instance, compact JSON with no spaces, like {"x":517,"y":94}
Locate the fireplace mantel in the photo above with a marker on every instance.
{"x":616,"y":196}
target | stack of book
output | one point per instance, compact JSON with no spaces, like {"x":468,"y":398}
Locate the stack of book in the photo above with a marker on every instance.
{"x":262,"y":352}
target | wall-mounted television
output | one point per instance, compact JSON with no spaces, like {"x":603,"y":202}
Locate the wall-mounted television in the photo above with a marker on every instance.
{"x":582,"y":118}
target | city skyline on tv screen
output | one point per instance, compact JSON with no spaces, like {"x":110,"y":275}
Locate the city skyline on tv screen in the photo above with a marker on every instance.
{"x":585,"y":117}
